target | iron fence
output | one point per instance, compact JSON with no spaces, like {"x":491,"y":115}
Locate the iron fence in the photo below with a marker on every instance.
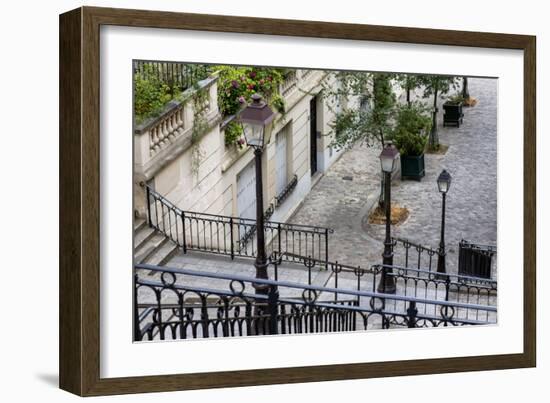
{"x":177,"y":76}
{"x":475,"y":260}
{"x":413,"y":282}
{"x":168,"y":306}
{"x":234,"y":236}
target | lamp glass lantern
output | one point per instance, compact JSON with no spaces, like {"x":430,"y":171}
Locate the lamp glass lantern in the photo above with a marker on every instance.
{"x":444,"y":181}
{"x":254,"y":119}
{"x":388,"y":158}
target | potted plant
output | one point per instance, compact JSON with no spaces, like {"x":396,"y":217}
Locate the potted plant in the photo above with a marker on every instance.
{"x":410,"y":137}
{"x":453,"y":115}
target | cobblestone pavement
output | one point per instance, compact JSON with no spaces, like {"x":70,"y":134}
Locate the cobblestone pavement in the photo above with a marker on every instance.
{"x":471,"y":202}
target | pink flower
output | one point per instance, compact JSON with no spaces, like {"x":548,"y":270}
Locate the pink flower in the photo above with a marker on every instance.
{"x":252,"y":74}
{"x":241,"y":99}
{"x":269,"y":78}
{"x":250,"y":86}
{"x":235,"y":84}
{"x":262,"y":81}
{"x":243,"y":78}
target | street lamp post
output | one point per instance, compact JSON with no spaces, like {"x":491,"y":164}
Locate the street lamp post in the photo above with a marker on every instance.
{"x":254,"y":119}
{"x":443,"y":184}
{"x":388,"y":158}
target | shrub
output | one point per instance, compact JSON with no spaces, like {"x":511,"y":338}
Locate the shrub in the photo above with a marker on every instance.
{"x":411,"y":130}
{"x":150,"y":94}
{"x":410,"y":144}
{"x":456,"y":99}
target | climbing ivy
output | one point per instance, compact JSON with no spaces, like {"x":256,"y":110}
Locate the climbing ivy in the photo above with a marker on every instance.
{"x":200,"y":126}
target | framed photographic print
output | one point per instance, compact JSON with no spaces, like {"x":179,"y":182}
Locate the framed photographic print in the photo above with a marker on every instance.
{"x":274,"y":201}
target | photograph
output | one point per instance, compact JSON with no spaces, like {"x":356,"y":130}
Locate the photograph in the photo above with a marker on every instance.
{"x":284,"y":201}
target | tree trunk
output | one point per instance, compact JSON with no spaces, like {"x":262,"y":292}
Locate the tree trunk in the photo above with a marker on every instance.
{"x":465,"y":91}
{"x":434,"y":137}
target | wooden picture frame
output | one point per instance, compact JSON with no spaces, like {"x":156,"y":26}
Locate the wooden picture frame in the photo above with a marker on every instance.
{"x":79,"y":200}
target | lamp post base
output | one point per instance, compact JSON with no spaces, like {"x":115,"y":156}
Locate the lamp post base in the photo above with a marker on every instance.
{"x":261,"y":273}
{"x":387,"y":287}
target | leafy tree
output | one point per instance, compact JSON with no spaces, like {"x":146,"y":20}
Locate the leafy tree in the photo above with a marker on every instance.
{"x":436,"y":86}
{"x":371,"y":120}
{"x":408,"y":82}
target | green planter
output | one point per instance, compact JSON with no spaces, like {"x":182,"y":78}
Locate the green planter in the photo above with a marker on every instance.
{"x":453,"y":115}
{"x":412,"y":167}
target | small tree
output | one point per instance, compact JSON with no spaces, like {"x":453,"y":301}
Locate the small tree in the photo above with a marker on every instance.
{"x":408,"y":82}
{"x":371,"y":120}
{"x":436,"y":86}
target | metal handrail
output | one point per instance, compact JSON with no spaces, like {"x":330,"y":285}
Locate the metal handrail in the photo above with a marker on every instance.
{"x":293,"y":285}
{"x":302,"y":227}
{"x":436,"y":274}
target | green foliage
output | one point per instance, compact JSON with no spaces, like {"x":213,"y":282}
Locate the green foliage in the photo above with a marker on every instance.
{"x":371,"y":122}
{"x":408,"y":82}
{"x":437,"y":85}
{"x":154,"y":88}
{"x":200,"y":125}
{"x":150,"y":94}
{"x":411,"y":130}
{"x":278,"y":102}
{"x":237,"y":84}
{"x":233,"y":134}
{"x":456,"y":99}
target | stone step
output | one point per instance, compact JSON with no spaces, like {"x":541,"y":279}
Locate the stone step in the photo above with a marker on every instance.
{"x":139,"y":223}
{"x":143,"y":235}
{"x":163,"y":254}
{"x":150,"y":247}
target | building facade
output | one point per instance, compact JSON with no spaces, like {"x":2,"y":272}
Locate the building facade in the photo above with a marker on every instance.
{"x":198,"y":172}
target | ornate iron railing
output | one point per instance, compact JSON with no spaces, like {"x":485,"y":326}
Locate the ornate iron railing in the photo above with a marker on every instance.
{"x":177,"y":76}
{"x":233,"y":236}
{"x":409,"y":282}
{"x":413,"y":255}
{"x":168,"y":306}
{"x":475,"y":261}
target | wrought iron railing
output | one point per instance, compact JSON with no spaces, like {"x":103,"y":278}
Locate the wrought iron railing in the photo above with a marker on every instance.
{"x":168,"y":306}
{"x":177,"y":76}
{"x":413,"y":255}
{"x":476,"y":260}
{"x":409,"y":282}
{"x":234,"y":236}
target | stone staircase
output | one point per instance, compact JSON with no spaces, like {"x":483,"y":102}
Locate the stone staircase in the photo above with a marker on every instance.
{"x":151,"y":246}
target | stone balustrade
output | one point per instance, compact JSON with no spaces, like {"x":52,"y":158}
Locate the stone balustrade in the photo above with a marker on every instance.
{"x":290,"y":83}
{"x":157,"y":139}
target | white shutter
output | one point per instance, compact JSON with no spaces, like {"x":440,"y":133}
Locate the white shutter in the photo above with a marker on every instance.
{"x":246,"y":192}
